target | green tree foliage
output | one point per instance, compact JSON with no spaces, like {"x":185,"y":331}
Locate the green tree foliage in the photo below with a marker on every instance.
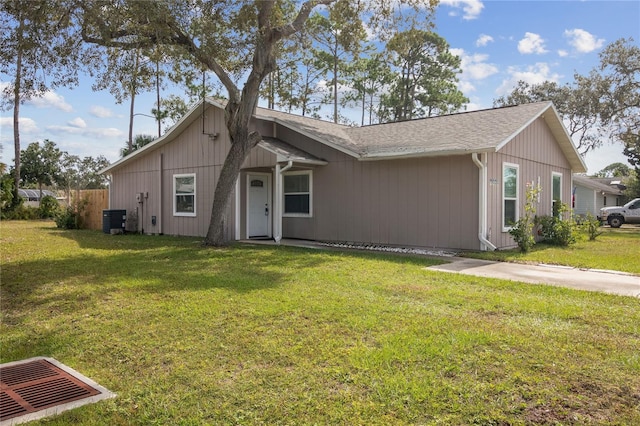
{"x":339,"y":37}
{"x":619,"y":84}
{"x":369,"y":76}
{"x":237,"y":41}
{"x":614,"y":170}
{"x":424,"y":84}
{"x":81,"y":173}
{"x":41,"y":164}
{"x":138,"y":142}
{"x":39,"y":51}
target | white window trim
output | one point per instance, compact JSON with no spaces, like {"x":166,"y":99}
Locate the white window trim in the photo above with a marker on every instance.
{"x":517,"y":199}
{"x":186,"y":214}
{"x":302,"y":172}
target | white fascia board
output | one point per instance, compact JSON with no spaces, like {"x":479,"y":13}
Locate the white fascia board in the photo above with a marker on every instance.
{"x":402,"y":155}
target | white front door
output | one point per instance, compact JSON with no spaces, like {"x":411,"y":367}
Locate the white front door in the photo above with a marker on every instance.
{"x":259,"y":206}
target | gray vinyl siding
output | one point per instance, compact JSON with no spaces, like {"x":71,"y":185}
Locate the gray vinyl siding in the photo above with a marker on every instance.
{"x":426,"y":202}
{"x":538,"y":155}
{"x":191,"y":152}
{"x":586,"y":201}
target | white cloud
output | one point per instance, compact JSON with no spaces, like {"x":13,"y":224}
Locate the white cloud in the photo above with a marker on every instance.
{"x":100,"y":112}
{"x":531,"y":43}
{"x":563,"y":53}
{"x":475,"y":66}
{"x":483,"y":40}
{"x":533,"y":74}
{"x":466,"y":86}
{"x":51,"y":100}
{"x":93,"y":132}
{"x":27,"y":126}
{"x":583,"y":41}
{"x":77,"y":122}
{"x":471,"y":8}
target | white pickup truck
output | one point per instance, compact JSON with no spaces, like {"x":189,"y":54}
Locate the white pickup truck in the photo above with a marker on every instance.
{"x":616,"y":216}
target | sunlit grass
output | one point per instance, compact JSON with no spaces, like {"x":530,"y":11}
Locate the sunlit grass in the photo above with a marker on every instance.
{"x":275,"y":335}
{"x":615,"y":249}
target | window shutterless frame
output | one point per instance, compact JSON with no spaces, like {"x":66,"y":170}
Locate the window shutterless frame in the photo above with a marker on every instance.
{"x":184,"y":195}
{"x":510,"y":195}
{"x":297,"y":194}
{"x":556,"y":191}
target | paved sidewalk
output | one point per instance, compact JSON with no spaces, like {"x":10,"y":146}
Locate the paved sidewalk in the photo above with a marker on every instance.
{"x":565,"y":276}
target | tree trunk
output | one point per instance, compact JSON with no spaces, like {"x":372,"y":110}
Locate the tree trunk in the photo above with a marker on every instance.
{"x":241,"y":144}
{"x":238,"y":113}
{"x":16,"y":114}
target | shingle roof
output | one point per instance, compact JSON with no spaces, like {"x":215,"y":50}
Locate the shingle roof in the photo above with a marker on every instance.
{"x":474,"y":131}
{"x":455,"y":134}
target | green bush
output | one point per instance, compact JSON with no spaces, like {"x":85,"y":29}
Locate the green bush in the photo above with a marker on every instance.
{"x":591,"y":226}
{"x":21,"y":212}
{"x":71,"y":217}
{"x":522,"y":230}
{"x":49,"y":207}
{"x":555,"y":230}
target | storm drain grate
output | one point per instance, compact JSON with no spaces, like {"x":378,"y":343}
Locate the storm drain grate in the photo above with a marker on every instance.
{"x":40,"y":387}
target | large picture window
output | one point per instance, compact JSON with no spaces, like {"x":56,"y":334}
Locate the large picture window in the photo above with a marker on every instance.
{"x":184,"y":195}
{"x":297,"y":194}
{"x":510,"y":194}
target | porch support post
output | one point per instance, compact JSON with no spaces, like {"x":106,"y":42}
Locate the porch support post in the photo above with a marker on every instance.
{"x":277,"y":203}
{"x":277,"y":216}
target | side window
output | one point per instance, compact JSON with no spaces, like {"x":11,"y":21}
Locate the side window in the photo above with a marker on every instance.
{"x":184,"y":195}
{"x":297,"y":194}
{"x":556,"y":191}
{"x":510,"y":178}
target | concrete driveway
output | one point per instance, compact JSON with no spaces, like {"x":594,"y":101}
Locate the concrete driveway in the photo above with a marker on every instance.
{"x":565,"y":276}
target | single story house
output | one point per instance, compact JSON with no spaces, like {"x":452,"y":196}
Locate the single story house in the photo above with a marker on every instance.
{"x":591,"y":194}
{"x":456,"y":181}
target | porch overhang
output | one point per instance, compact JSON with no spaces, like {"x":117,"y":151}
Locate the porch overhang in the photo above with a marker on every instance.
{"x":286,"y":152}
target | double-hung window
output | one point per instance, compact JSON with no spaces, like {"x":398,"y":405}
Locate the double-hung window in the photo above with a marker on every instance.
{"x":297,"y":194}
{"x":556,"y":191}
{"x":510,"y":178}
{"x":184,"y":194}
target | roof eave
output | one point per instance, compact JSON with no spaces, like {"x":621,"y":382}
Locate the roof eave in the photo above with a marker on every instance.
{"x":186,"y":119}
{"x":404,"y":155}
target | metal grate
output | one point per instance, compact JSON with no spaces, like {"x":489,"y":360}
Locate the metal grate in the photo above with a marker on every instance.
{"x":37,"y":385}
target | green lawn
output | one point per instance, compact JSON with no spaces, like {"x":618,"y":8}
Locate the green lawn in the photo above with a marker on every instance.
{"x":615,"y":249}
{"x":278,"y":335}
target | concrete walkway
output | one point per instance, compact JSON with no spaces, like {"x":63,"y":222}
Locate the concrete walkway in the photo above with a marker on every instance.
{"x":565,"y":276}
{"x":613,"y":282}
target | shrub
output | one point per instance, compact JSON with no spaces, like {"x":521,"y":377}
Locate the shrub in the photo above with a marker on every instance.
{"x":591,"y":226}
{"x":556,"y":230}
{"x":71,"y":217}
{"x":21,"y":212}
{"x":522,"y":230}
{"x":49,"y":207}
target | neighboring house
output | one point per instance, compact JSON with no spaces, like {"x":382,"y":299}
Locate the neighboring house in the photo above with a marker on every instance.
{"x":456,"y":181}
{"x":591,"y":194}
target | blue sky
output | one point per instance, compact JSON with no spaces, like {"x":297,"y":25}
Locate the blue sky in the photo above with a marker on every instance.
{"x":500,"y":42}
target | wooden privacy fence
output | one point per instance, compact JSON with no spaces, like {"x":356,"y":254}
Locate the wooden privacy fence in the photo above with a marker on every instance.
{"x":94,"y":200}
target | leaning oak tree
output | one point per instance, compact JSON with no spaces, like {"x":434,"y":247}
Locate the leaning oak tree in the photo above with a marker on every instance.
{"x":236,"y":40}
